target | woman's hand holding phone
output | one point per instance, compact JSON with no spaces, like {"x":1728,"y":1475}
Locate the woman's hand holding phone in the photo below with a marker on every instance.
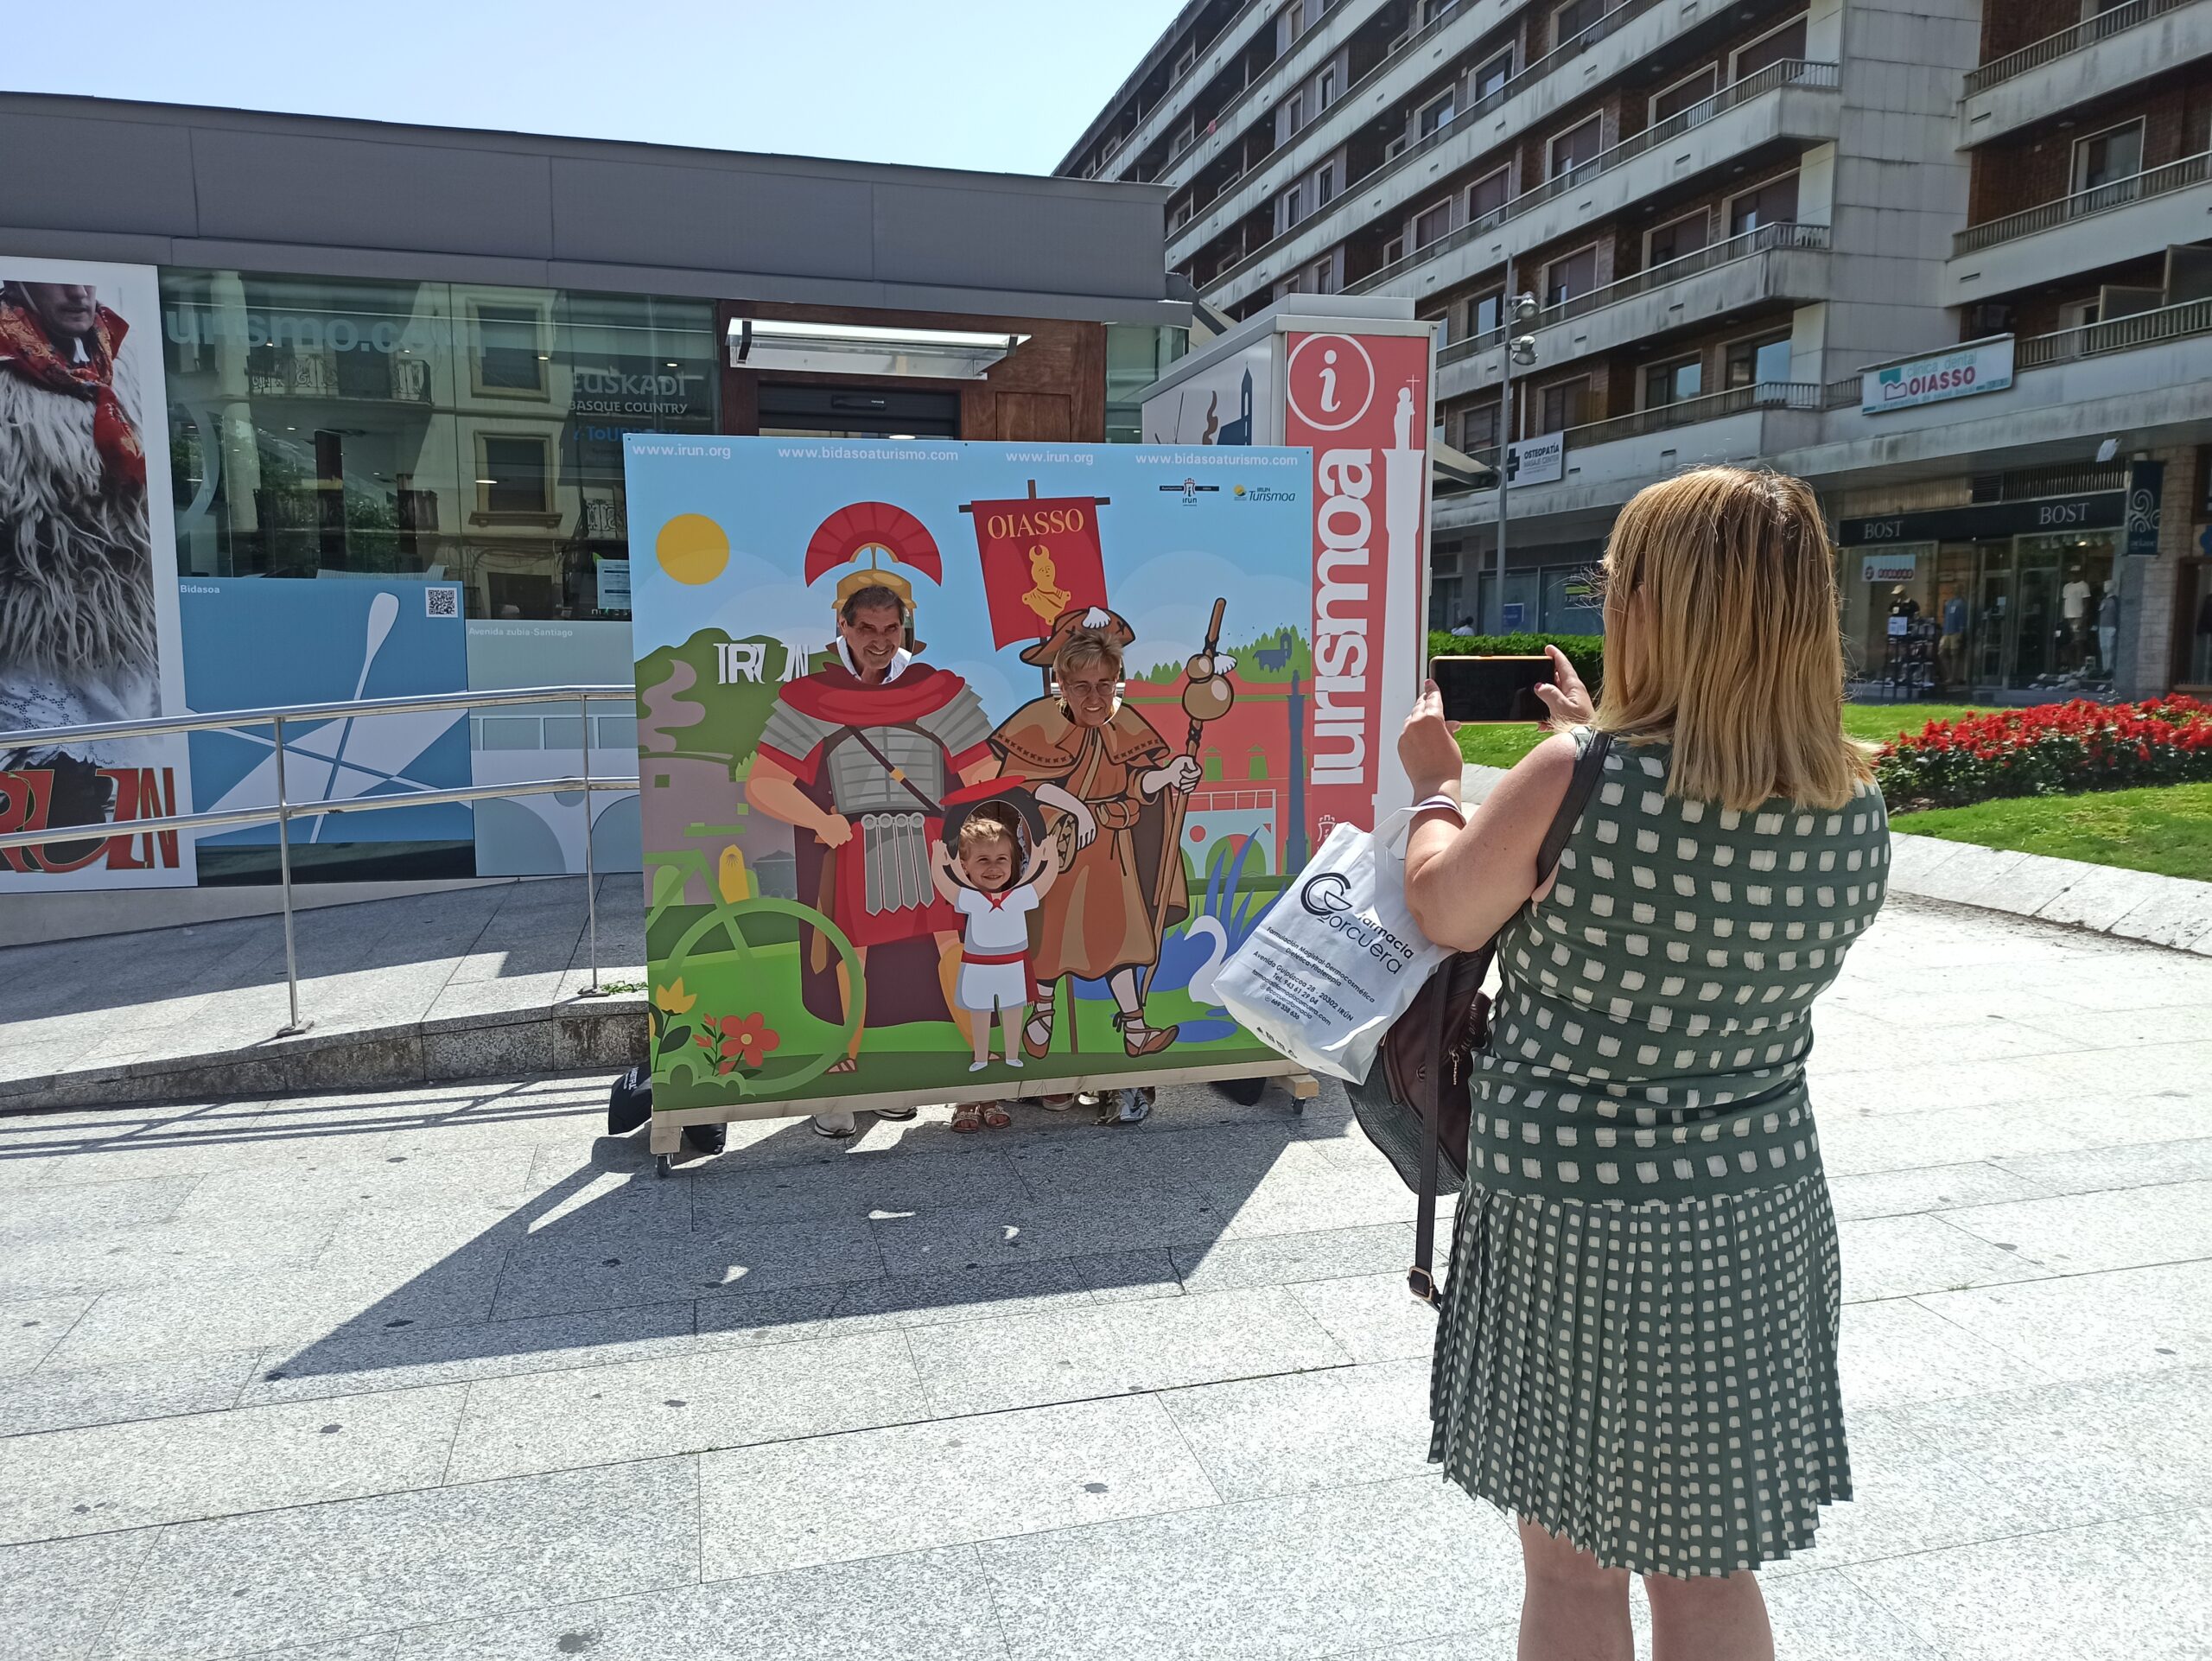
{"x":1426,"y":748}
{"x":1565,"y":696}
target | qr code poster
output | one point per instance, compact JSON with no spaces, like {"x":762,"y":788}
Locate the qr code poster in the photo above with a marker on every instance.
{"x":440,"y":602}
{"x":847,"y":653}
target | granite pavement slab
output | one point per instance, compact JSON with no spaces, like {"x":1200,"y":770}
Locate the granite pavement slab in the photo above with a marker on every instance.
{"x":101,"y":1478}
{"x":722,"y":1399}
{"x":58,"y":1597}
{"x":981,"y":1366}
{"x":1294,"y":1575}
{"x":952,"y":1481}
{"x":60,"y":1398}
{"x":272,"y":1580}
{"x":1299,"y":1433}
{"x":927,"y":1605}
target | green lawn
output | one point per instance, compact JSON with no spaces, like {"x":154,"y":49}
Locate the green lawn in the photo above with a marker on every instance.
{"x":2166,"y":829}
{"x":1500,"y":745}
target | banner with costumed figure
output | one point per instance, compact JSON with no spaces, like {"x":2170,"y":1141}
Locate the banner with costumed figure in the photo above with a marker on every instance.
{"x":848,"y":653}
{"x":88,"y":595}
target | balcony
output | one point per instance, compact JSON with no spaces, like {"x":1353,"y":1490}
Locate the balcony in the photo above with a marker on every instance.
{"x":2191,"y":318}
{"x":2090,"y":229}
{"x":1793,"y":101}
{"x":2120,"y":49}
{"x":1608,"y":461}
{"x":1253,"y":100}
{"x":1392,"y":82}
{"x":1776,"y":262}
{"x":2137,"y":375}
{"x":2080,"y":38}
{"x":1155,"y":118}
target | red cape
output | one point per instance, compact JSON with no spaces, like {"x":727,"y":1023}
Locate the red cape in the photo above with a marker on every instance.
{"x":835,"y":694}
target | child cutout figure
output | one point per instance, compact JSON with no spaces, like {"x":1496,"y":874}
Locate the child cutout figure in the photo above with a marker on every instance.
{"x":994,"y":908}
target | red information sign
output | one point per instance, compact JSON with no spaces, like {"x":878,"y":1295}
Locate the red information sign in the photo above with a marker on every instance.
{"x":1040,"y":556}
{"x":1361,"y":400}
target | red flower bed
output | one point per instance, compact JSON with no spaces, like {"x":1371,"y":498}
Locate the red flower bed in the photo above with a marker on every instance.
{"x":2049,"y":750}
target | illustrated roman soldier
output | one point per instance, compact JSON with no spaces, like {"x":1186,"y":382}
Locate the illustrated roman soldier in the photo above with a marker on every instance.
{"x":858,"y":757}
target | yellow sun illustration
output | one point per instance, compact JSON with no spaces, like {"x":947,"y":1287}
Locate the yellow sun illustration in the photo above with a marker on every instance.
{"x":692,"y":548}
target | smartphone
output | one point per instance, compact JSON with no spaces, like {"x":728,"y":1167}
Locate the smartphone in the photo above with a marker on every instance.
{"x":1491,"y":688}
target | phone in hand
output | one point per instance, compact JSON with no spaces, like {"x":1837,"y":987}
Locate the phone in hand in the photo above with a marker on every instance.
{"x":1491,"y":688}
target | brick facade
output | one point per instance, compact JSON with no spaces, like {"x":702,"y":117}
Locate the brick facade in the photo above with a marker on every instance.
{"x":2011,"y":176}
{"x":2008,"y":25}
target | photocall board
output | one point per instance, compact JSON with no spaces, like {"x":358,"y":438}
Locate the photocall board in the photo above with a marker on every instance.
{"x":813,"y":933}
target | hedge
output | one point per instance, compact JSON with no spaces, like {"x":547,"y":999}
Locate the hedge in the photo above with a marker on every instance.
{"x":2052,"y":749}
{"x":1586,"y":652}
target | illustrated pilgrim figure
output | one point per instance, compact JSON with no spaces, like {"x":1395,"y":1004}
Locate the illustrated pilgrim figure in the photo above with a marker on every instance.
{"x":858,"y":756}
{"x":77,"y":631}
{"x":1099,"y":770}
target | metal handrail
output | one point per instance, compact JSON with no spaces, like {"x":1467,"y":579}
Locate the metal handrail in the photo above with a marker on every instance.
{"x":2083,"y":204}
{"x":2120,"y":334}
{"x":1767,"y":238}
{"x":1623,"y":12}
{"x":1787,"y":72}
{"x":2068,"y":41}
{"x":282,"y":811}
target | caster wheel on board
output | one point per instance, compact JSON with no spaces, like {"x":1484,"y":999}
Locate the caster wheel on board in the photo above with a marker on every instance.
{"x":664,"y":1164}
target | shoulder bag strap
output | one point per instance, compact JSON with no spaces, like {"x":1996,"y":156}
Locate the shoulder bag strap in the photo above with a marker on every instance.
{"x":1589,"y":767}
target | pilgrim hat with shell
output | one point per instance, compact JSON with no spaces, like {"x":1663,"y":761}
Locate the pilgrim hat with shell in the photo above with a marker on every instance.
{"x":1108,"y":626}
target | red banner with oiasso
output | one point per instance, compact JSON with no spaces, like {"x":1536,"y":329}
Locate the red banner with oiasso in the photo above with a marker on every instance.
{"x":1362,"y":403}
{"x":1040,"y":556}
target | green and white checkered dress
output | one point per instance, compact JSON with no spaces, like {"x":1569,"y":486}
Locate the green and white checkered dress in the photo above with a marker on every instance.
{"x":1637,"y":1346}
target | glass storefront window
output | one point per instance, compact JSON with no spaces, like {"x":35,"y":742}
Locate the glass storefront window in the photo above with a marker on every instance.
{"x":465,"y":430}
{"x":1137,"y":355}
{"x":2027,"y":614}
{"x":1571,"y":601}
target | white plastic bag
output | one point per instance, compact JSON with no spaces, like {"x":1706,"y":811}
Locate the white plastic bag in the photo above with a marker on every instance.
{"x":1337,"y":959}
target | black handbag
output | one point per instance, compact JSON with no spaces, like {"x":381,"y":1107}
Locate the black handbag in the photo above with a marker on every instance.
{"x":1414,"y":1103}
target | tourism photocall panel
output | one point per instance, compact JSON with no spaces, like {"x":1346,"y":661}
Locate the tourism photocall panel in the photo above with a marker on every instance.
{"x":960,"y":764}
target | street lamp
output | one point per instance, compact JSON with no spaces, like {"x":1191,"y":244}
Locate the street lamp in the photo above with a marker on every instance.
{"x":1520,"y":312}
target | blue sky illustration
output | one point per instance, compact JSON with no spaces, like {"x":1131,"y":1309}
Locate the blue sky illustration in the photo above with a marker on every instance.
{"x":1169,"y":552}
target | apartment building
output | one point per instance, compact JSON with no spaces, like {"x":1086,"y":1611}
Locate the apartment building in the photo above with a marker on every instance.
{"x":1950,"y":259}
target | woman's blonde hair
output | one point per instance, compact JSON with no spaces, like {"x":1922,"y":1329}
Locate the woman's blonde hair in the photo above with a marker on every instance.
{"x":1722,"y":634}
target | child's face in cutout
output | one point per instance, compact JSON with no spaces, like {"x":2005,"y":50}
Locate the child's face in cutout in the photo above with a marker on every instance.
{"x":988,"y":865}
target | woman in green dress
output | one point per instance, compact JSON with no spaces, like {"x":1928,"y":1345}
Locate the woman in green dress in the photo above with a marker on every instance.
{"x":1637,"y":1353}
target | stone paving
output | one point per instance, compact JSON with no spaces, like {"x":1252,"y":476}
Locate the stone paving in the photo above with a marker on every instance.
{"x":467,"y":983}
{"x":442,"y":1373}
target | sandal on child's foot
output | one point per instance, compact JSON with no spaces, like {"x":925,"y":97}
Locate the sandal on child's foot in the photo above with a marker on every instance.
{"x":997,"y":1117}
{"x":968,"y":1116}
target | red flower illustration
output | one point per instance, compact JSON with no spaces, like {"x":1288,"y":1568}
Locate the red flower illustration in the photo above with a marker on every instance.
{"x":740,"y":1040}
